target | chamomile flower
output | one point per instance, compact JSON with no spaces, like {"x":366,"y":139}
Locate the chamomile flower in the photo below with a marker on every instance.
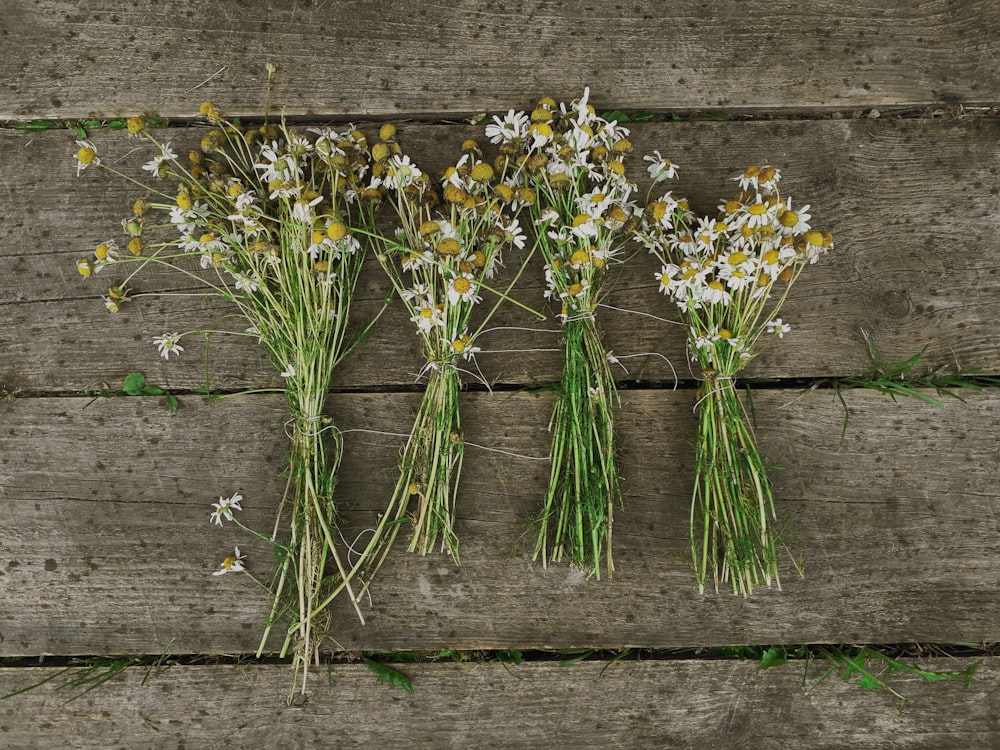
{"x":168,"y":344}
{"x":401,"y":173}
{"x":155,"y":166}
{"x":86,"y":156}
{"x":246,"y":282}
{"x":463,"y":288}
{"x":776,"y":326}
{"x":513,"y":126}
{"x":793,"y":222}
{"x":232,"y":564}
{"x":660,"y":168}
{"x":225,"y":507}
{"x":715,"y":293}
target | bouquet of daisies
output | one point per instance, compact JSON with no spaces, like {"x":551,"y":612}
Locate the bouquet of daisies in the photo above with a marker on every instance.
{"x":449,"y":245}
{"x":573,"y":160}
{"x":268,"y":219}
{"x":729,"y":275}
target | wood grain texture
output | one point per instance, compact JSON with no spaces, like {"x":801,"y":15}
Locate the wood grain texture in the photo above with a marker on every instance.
{"x":107,"y":547}
{"x":105,"y":58}
{"x":914,"y":206}
{"x":675,"y":704}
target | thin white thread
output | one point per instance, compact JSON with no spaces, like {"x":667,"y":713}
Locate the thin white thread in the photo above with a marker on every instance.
{"x":652,"y":354}
{"x":644,"y":314}
{"x":519,"y":328}
{"x":516,"y":351}
{"x":375,"y":432}
{"x":207,"y":79}
{"x":319,"y":418}
{"x":508,"y":453}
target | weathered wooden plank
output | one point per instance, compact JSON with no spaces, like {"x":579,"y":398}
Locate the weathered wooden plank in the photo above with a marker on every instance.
{"x":676,"y":704}
{"x":914,"y":206}
{"x":107,"y":548}
{"x":414,"y":57}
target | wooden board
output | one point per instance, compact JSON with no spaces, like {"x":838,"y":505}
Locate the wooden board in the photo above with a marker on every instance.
{"x":417,"y":58}
{"x":676,"y":704}
{"x":107,"y":545}
{"x":913,"y":205}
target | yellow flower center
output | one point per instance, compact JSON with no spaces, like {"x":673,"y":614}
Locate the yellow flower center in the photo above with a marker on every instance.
{"x":83,"y":267}
{"x":725,"y":333}
{"x":458,"y":345}
{"x":426,"y":312}
{"x":479,"y":259}
{"x":732,"y":207}
{"x":101,"y":251}
{"x":429,"y":228}
{"x":321,"y":266}
{"x":542,"y":129}
{"x":449,"y":246}
{"x":135,"y":246}
{"x":657,"y":210}
{"x":576,"y":289}
{"x":789,"y":219}
{"x":813,"y":238}
{"x":207,"y":237}
{"x":717,"y":285}
{"x":318,"y":236}
{"x":664,"y":279}
{"x":757,"y":209}
{"x":461,"y":285}
{"x":86,"y":155}
{"x":336,"y":231}
{"x":184,"y":200}
{"x":579,"y":257}
{"x":736,"y":258}
{"x":580,"y":219}
{"x":482,"y":172}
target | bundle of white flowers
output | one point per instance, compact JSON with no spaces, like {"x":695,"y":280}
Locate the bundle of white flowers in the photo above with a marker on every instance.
{"x":729,"y":275}
{"x":269,"y":219}
{"x":573,"y":160}
{"x":450,"y":243}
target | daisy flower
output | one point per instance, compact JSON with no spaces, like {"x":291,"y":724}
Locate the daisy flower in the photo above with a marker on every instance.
{"x":225,"y":507}
{"x":86,"y":156}
{"x":776,"y":326}
{"x":512,"y":127}
{"x":232,"y":564}
{"x":168,"y":344}
{"x":660,"y":169}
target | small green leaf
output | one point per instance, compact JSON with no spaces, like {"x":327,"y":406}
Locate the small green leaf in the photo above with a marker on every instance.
{"x":36,"y":125}
{"x":116,"y":124}
{"x":171,"y":403}
{"x":510,"y":656}
{"x":134,"y":383}
{"x":392,"y":677}
{"x":773,"y":657}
